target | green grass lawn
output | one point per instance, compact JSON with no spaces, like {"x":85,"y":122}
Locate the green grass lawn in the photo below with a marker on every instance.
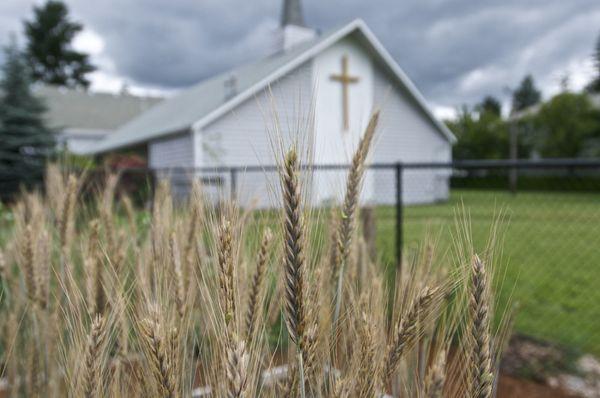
{"x":551,"y":248}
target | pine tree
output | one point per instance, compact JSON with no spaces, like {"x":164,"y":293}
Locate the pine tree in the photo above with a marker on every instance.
{"x":594,"y":86}
{"x":490,"y":104}
{"x":51,"y":57}
{"x":526,"y":94}
{"x":25,"y":142}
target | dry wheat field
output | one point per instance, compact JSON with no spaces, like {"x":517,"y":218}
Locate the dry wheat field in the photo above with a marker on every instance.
{"x":207,"y":301}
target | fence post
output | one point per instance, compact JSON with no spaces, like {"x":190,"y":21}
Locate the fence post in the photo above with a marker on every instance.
{"x":399,"y":217}
{"x":152,"y":178}
{"x":514,"y":155}
{"x":233,"y":183}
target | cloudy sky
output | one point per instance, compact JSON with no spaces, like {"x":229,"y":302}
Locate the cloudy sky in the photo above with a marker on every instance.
{"x":456,"y":51}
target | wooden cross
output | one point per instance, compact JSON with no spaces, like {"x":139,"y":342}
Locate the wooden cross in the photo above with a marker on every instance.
{"x":346,"y":80}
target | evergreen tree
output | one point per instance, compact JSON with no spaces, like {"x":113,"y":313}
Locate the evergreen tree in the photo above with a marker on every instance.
{"x":594,"y":86}
{"x":25,"y":141}
{"x":490,"y":104}
{"x":526,"y":94}
{"x":49,"y":52}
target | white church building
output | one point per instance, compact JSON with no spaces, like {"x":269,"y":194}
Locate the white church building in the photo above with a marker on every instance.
{"x":316,"y":89}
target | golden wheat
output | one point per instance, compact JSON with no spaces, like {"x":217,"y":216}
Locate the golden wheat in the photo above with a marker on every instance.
{"x":157,"y":303}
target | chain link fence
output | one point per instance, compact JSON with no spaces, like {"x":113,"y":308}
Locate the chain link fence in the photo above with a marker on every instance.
{"x":548,"y":213}
{"x":549,"y":217}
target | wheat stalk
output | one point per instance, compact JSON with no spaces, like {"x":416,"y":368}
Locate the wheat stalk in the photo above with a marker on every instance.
{"x":366,"y":365}
{"x":257,"y":283}
{"x":106,"y":212}
{"x":347,"y":223}
{"x":28,"y":262}
{"x":482,"y":375}
{"x":178,"y":274}
{"x":130,"y":211}
{"x":436,"y":377}
{"x":174,"y":342}
{"x":95,"y":271}
{"x":226,"y":275}
{"x":10,"y":340}
{"x":294,"y":261}
{"x":334,"y":248}
{"x":34,"y":370}
{"x":236,"y":368}
{"x":67,"y":213}
{"x":92,"y":372}
{"x":177,"y":345}
{"x":407,"y":331}
{"x":159,"y":357}
{"x":309,"y":358}
{"x":294,"y":256}
{"x":2,"y":266}
{"x":42,"y":268}
{"x":188,"y":253}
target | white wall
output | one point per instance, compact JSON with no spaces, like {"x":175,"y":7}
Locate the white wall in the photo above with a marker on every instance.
{"x":256,"y":129}
{"x":334,"y":144}
{"x":305,"y":107}
{"x":252,"y":133}
{"x":172,"y":152}
{"x":407,"y":135}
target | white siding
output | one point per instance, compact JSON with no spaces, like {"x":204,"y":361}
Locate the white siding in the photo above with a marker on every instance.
{"x":304,"y":107}
{"x":251,"y":134}
{"x":407,"y":135}
{"x":333,"y":143}
{"x":170,"y":153}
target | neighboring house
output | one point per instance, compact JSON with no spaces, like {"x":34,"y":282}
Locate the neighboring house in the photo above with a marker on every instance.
{"x":318,"y":90}
{"x":534,"y":109}
{"x":595,"y":99}
{"x":83,"y":118}
{"x":518,"y":130}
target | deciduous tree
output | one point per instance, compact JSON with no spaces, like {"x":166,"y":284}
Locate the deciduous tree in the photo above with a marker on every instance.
{"x":567,"y":126}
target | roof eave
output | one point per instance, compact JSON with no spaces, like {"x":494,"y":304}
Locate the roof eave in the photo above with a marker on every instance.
{"x":404,"y":80}
{"x":134,"y":143}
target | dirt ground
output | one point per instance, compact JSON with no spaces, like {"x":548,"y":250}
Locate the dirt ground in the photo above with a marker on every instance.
{"x":508,"y":387}
{"x":512,"y":387}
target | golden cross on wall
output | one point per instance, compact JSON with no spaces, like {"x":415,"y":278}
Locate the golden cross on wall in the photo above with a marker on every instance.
{"x":346,"y":80}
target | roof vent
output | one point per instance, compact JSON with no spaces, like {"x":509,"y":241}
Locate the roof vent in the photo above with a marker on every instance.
{"x":291,"y":14}
{"x":230,"y":86}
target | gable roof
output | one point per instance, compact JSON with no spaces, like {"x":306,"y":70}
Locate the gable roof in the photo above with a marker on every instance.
{"x":84,"y":110}
{"x":203,"y":103}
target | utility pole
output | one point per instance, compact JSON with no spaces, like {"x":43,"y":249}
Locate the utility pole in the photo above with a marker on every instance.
{"x":514,"y":155}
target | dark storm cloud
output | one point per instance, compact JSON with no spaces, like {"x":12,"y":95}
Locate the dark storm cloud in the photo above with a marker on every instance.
{"x":455,"y":51}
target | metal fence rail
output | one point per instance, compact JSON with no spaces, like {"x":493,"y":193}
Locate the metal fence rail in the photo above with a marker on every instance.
{"x":552,"y":225}
{"x":551,"y":229}
{"x":509,"y":170}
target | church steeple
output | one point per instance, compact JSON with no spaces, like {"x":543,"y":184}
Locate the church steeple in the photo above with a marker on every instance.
{"x":292,"y":13}
{"x":293,"y":30}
